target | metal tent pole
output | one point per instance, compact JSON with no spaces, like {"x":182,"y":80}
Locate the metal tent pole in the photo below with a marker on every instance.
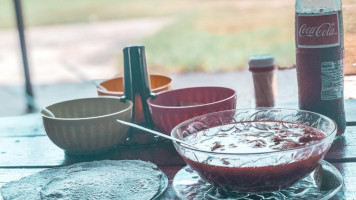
{"x":20,"y":27}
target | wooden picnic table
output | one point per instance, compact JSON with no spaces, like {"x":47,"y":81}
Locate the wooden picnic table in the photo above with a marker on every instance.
{"x":25,"y":149}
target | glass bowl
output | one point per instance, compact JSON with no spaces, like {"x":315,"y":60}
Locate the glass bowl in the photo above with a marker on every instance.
{"x":259,"y":171}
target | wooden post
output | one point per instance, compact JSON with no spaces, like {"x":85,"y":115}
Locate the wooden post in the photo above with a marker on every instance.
{"x":28,"y":87}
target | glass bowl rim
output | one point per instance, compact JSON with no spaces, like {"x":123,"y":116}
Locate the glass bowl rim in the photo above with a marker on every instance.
{"x":331,"y":134}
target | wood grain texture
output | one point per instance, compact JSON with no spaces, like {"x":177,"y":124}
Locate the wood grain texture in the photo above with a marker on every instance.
{"x":31,"y":124}
{"x":24,"y":125}
{"x":350,"y":112}
{"x":30,"y":151}
{"x":348,"y":190}
{"x":343,"y":147}
{"x":25,"y":149}
{"x":39,"y":151}
{"x":350,"y":109}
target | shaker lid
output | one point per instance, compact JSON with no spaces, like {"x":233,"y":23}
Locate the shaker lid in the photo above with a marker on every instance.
{"x":261,"y":62}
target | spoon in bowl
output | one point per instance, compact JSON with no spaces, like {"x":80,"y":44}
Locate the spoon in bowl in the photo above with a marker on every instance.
{"x":100,"y":86}
{"x":50,"y":113}
{"x":156,"y":133}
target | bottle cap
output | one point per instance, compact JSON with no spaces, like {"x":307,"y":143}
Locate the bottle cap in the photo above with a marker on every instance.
{"x":264,"y":62}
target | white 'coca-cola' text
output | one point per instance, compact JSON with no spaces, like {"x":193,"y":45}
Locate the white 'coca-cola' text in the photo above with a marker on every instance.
{"x":323,"y":30}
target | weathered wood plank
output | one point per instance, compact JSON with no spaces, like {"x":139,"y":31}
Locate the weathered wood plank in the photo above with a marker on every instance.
{"x":23,"y":143}
{"x":347,"y":192}
{"x":350,"y":109}
{"x":31,"y":124}
{"x":41,"y":152}
{"x":30,"y":151}
{"x":343,"y":147}
{"x":24,"y":125}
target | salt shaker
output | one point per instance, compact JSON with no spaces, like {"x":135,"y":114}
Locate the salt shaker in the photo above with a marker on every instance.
{"x":264,"y":78}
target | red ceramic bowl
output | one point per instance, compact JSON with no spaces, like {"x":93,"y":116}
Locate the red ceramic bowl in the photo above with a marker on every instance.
{"x":170,"y":108}
{"x":115,"y":87}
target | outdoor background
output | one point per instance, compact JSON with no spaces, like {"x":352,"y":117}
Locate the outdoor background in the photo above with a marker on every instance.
{"x":71,"y":41}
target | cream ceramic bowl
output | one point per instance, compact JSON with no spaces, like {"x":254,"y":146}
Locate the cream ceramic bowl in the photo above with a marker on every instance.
{"x":87,"y":126}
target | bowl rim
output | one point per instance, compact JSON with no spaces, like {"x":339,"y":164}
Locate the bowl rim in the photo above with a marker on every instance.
{"x":108,"y":92}
{"x":151,"y":104}
{"x":87,"y":118}
{"x":332,"y":134}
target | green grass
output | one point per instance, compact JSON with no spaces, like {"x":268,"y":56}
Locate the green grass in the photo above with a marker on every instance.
{"x":220,"y":37}
{"x":49,"y":12}
{"x":182,"y":47}
{"x":206,"y":35}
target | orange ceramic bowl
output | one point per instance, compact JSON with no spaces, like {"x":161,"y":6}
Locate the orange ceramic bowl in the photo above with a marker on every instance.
{"x":115,"y":87}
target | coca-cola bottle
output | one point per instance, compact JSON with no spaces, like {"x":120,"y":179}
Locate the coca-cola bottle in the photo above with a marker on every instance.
{"x":319,"y":40}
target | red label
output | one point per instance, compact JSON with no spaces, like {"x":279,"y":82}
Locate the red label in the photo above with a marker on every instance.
{"x":315,"y":31}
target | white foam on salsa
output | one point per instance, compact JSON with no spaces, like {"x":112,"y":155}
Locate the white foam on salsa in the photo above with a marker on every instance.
{"x":255,"y":137}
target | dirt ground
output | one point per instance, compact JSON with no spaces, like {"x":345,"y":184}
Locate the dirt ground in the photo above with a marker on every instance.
{"x":63,"y":53}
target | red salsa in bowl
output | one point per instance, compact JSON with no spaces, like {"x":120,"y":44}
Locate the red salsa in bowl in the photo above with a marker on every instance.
{"x":255,"y":150}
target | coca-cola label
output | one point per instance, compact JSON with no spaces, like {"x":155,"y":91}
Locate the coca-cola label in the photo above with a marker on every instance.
{"x":316,"y":31}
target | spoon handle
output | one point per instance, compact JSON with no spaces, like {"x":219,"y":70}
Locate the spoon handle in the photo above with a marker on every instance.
{"x":155,"y":132}
{"x":99,"y":85}
{"x":50,"y":113}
